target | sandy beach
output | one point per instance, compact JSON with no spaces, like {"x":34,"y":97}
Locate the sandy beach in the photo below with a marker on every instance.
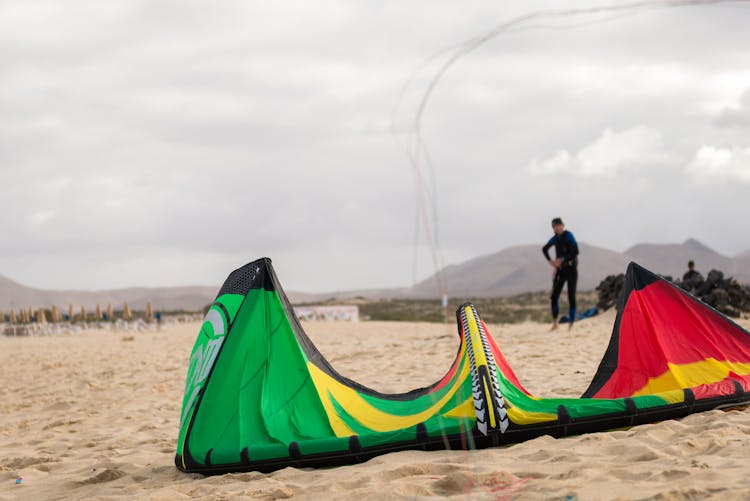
{"x":94,"y":415}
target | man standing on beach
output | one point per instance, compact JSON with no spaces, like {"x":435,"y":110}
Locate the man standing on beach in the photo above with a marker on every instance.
{"x":692,"y":274}
{"x":566,"y":269}
{"x":692,"y":279}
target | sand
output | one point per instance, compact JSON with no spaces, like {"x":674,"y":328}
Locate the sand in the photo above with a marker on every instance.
{"x":94,"y":415}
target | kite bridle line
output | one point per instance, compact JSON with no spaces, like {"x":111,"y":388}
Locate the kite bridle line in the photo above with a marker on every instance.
{"x":415,"y":146}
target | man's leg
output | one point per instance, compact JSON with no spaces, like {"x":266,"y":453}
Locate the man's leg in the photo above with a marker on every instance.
{"x":572,"y":278}
{"x":557,"y":286}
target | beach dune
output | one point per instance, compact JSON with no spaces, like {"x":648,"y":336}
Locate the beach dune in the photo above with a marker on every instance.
{"x":94,"y":415}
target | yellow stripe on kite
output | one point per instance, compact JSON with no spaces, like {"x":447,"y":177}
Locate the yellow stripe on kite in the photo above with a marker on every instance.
{"x":672,"y":397}
{"x":480,"y":359}
{"x":463,"y":410}
{"x":364,"y":412}
{"x":520,"y":416}
{"x":680,"y":376}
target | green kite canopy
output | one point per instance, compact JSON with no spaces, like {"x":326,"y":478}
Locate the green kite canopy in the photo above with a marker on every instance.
{"x":260,"y":396}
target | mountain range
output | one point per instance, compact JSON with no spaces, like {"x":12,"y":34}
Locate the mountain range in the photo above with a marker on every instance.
{"x":191,"y":298}
{"x":522,"y":269}
{"x":510,"y":271}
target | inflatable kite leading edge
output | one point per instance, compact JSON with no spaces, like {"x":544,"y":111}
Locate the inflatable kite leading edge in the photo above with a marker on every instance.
{"x":259,"y":395}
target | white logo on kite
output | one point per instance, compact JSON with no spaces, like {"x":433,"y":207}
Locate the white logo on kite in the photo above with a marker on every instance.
{"x":203,"y":359}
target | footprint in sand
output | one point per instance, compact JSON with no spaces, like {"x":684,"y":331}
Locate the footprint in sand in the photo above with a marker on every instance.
{"x":26,"y":462}
{"x":669,"y":475}
{"x":107,"y":475}
{"x":414,"y":470}
{"x":464,"y":482}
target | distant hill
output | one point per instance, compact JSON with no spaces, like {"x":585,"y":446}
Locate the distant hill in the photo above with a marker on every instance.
{"x":188,"y":298}
{"x":15,"y":295}
{"x":671,"y":259}
{"x":519,"y":269}
{"x":740,"y":268}
{"x":510,"y":271}
{"x":522,"y":269}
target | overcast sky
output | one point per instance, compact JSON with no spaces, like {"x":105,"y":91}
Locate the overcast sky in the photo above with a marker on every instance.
{"x":155,"y":143}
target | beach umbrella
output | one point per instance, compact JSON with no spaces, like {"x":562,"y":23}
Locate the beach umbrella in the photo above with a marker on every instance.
{"x":55,"y":314}
{"x":126,"y":313}
{"x":83,"y":313}
{"x":12,"y":316}
{"x":41,"y":316}
{"x":149,"y":311}
{"x":2,"y":316}
{"x":29,"y":315}
{"x":98,"y":312}
{"x":109,"y":312}
{"x":70,"y":312}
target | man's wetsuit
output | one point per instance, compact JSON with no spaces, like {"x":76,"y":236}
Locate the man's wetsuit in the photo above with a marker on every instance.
{"x":566,"y":248}
{"x":691,"y":275}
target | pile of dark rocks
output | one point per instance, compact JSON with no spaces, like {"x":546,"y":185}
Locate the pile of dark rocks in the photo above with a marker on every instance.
{"x":724,"y":294}
{"x":609,"y":291}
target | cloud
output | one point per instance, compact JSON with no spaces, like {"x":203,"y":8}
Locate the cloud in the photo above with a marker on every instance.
{"x":738,"y":116}
{"x":607,"y":155}
{"x":40,"y":217}
{"x":182,"y":142}
{"x":721,"y":164}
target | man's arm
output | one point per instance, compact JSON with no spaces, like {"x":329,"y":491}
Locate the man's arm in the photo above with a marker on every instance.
{"x":572,"y":248}
{"x":545,"y":249}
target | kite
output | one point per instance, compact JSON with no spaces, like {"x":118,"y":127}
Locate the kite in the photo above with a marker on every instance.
{"x":260,"y":396}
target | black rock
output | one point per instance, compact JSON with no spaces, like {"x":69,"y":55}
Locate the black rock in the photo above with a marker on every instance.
{"x":724,"y":294}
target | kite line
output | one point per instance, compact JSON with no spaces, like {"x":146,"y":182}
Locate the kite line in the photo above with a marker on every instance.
{"x":414,"y":144}
{"x":426,"y":221}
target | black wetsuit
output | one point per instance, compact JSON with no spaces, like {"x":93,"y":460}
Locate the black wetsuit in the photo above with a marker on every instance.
{"x":691,"y":280}
{"x":691,"y":275}
{"x":566,"y":248}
